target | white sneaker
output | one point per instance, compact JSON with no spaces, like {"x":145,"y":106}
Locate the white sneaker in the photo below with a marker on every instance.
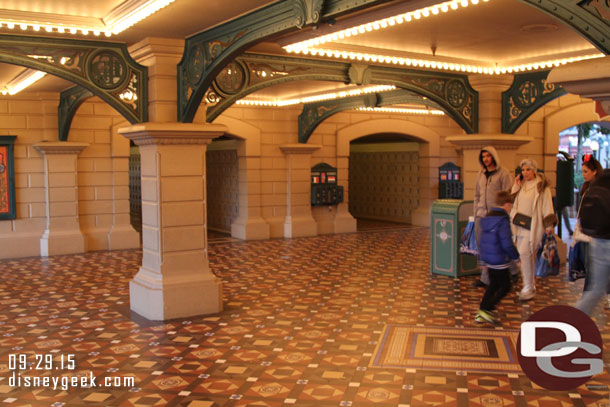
{"x":526,"y":296}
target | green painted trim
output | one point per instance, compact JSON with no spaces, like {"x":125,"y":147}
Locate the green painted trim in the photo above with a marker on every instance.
{"x":85,"y":63}
{"x":528,"y":93}
{"x":315,"y":113}
{"x":9,"y":142}
{"x":206,"y":54}
{"x":589,"y":17}
{"x":406,"y":146}
{"x":251,"y":72}
{"x":69,"y":102}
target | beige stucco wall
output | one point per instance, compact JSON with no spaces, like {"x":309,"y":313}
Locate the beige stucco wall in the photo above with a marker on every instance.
{"x":102,"y":179}
{"x":259,"y":134}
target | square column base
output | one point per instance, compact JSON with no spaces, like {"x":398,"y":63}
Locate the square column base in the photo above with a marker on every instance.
{"x":300,"y":226}
{"x":186,"y":296}
{"x":345,"y":223}
{"x":421,"y":216}
{"x":250,"y":229}
{"x":123,"y":237}
{"x":54,"y":243}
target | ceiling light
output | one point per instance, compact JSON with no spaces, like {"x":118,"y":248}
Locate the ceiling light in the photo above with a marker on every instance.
{"x":121,"y":18}
{"x":402,"y":110}
{"x":22,"y":81}
{"x":318,"y":98}
{"x":391,"y":59}
{"x":386,"y":22}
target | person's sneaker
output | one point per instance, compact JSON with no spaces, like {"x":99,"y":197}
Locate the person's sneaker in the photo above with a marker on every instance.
{"x":486,"y":316}
{"x":526,"y":296}
{"x":479,"y":319}
{"x":478,"y":284}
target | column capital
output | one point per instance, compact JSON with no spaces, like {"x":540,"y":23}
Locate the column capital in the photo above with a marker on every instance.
{"x":481,"y":82}
{"x":60,"y":147}
{"x":299,"y":148}
{"x":172,"y":133}
{"x":499,"y":141}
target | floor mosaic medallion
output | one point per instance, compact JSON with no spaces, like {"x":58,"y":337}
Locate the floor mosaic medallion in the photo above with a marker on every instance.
{"x":440,"y":348}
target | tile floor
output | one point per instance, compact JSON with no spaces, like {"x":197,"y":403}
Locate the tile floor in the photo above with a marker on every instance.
{"x":302,"y":323}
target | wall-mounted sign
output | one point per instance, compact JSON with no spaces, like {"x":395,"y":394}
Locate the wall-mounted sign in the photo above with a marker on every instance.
{"x":324,"y":188}
{"x":7,"y":178}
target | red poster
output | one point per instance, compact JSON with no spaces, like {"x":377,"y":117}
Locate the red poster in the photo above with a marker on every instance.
{"x":4,"y":190}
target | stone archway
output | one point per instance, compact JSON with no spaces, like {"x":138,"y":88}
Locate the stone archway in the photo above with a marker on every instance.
{"x":428,"y":159}
{"x":562,"y":119}
{"x":249,"y":224}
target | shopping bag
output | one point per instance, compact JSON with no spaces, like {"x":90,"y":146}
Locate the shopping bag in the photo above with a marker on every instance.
{"x":468,"y":244}
{"x":547,"y":257}
{"x":576,"y":261}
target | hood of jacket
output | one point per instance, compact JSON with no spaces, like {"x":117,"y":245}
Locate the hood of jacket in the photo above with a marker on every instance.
{"x":491,"y":150}
{"x":494,"y":216}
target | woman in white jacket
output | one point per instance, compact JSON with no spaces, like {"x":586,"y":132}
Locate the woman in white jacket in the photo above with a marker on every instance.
{"x":533,"y":205}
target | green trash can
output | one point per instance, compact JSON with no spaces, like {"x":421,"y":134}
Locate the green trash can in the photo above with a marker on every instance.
{"x":448,"y":219}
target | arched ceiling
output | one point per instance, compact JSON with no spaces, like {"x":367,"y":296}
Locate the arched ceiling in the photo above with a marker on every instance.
{"x":498,"y":31}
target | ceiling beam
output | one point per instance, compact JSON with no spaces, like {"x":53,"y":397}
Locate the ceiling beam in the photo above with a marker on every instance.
{"x":104,"y":68}
{"x":251,"y":72}
{"x":207,"y":53}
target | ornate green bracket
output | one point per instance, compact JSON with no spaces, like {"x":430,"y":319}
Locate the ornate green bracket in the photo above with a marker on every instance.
{"x":207,"y":53}
{"x":315,"y":113}
{"x":528,"y":93}
{"x":104,"y":68}
{"x":591,"y":18}
{"x":251,"y":72}
{"x":69,"y":102}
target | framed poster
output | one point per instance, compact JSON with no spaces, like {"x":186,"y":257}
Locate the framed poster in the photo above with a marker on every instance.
{"x":7,"y":178}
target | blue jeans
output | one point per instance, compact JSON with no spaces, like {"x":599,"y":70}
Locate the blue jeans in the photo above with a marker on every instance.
{"x":599,"y":274}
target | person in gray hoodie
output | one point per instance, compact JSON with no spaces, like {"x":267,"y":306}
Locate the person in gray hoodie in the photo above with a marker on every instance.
{"x":491,"y":179}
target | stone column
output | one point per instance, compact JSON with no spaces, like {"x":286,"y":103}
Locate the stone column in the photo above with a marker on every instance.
{"x":298,"y":221}
{"x":471,"y":144}
{"x":249,"y":225}
{"x":490,"y":88}
{"x":62,"y":234}
{"x":121,"y":235}
{"x":344,"y":221}
{"x":175,"y":280}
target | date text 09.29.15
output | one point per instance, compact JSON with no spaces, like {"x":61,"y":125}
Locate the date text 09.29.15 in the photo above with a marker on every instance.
{"x":41,"y":361}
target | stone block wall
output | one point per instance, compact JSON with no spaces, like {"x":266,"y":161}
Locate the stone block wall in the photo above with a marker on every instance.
{"x":384,"y":184}
{"x":222,"y":185}
{"x":102,"y":173}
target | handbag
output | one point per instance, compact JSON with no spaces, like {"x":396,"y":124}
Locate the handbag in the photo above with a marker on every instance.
{"x":468,"y":243}
{"x":547,"y":257}
{"x":578,"y":234}
{"x":576,"y":261}
{"x":522,"y":220}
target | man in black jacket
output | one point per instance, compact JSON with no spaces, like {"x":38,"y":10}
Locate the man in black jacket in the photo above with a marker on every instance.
{"x":595,"y":222}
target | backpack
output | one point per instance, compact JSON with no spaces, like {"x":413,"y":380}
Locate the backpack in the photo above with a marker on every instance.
{"x":595,"y":208}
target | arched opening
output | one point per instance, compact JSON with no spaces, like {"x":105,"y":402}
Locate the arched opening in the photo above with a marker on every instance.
{"x":383,"y":178}
{"x":573,"y":130}
{"x":428,"y":150}
{"x":222,"y":185}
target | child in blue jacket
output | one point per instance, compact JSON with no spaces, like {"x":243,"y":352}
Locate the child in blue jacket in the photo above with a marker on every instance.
{"x":497,"y":251}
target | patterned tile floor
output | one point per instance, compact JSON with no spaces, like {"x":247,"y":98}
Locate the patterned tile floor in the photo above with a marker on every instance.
{"x":301,"y":325}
